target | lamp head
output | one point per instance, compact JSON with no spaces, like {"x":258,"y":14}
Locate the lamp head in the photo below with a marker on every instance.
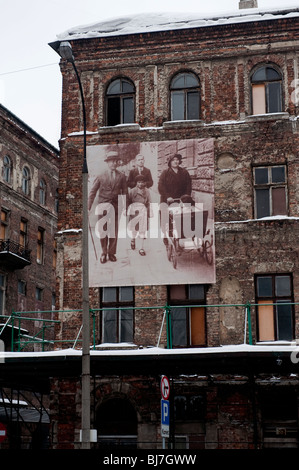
{"x":65,"y":51}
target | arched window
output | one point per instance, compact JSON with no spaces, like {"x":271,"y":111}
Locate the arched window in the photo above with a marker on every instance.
{"x":25,"y":180}
{"x":185,"y":97}
{"x":266,"y":83}
{"x":120,"y":102}
{"x":116,"y":423}
{"x":42,"y":192}
{"x":7,"y":169}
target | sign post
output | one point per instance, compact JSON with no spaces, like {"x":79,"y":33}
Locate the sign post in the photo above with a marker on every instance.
{"x":165,"y":408}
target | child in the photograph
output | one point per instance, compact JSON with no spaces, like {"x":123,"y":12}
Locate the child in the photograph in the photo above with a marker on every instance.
{"x":139,"y":212}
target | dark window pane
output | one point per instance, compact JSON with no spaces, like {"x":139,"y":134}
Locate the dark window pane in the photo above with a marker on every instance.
{"x":177,"y":106}
{"x":109,"y":294}
{"x":283,"y":286}
{"x":126,"y":294}
{"x":262,"y":203}
{"x":178,"y":82}
{"x":191,"y":81}
{"x":193,"y":105}
{"x":261,"y":175}
{"x":128,"y":110}
{"x":284,"y":322}
{"x":179,"y":326}
{"x":113,"y":112}
{"x":272,"y":74}
{"x":114,"y":88}
{"x":126,"y":326}
{"x":264,"y":286}
{"x":274,"y":97}
{"x":196,"y":291}
{"x":279,"y":203}
{"x":109,"y":328}
{"x":278,"y":174}
{"x":127,"y":87}
{"x":259,"y":75}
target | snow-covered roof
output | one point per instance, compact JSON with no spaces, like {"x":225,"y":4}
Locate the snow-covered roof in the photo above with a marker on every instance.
{"x":154,"y":22}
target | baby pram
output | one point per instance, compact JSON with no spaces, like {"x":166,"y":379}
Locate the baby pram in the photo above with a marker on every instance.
{"x":186,"y":230}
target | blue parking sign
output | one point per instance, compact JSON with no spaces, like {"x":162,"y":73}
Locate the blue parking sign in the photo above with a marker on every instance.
{"x":165,"y":418}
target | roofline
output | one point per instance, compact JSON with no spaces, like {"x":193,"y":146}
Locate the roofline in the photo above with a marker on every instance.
{"x":25,"y":127}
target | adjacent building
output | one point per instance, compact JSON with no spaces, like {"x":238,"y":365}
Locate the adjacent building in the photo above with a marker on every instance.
{"x":29,"y":208}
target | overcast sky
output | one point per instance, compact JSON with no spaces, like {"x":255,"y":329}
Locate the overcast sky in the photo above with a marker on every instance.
{"x":30,"y":80}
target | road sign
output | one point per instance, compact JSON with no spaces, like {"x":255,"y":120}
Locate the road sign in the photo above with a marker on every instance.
{"x":165,"y":387}
{"x":2,"y":432}
{"x":164,"y":418}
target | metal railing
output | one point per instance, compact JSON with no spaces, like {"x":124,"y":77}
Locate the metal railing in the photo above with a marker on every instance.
{"x":9,"y":246}
{"x":22,"y":337}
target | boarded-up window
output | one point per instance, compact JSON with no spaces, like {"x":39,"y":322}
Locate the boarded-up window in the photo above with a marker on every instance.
{"x":275,"y":309}
{"x":266,"y":85}
{"x":188,"y":318}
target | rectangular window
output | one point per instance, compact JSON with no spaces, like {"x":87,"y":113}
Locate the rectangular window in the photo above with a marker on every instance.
{"x":4,"y":224}
{"x":275,"y":309}
{"x":23,"y":233}
{"x":40,"y":245}
{"x":270,"y":185}
{"x":38,"y":293}
{"x":22,"y":287}
{"x":188,"y":319}
{"x":117,"y":316}
{"x":259,"y":99}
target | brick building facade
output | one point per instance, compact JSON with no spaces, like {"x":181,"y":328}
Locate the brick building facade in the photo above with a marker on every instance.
{"x":232,"y":81}
{"x":29,"y":208}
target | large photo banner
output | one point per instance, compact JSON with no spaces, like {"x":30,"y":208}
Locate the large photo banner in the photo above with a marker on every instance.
{"x":151,"y":213}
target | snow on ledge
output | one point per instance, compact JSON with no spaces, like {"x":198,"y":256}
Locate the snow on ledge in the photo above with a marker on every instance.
{"x":156,"y":351}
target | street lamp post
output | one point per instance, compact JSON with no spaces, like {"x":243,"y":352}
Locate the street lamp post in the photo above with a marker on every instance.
{"x":64,"y":49}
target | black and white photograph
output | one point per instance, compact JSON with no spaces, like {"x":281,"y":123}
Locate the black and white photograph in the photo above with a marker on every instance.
{"x":151,"y":209}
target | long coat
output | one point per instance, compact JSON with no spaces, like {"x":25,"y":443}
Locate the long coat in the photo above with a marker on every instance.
{"x":175,"y":185}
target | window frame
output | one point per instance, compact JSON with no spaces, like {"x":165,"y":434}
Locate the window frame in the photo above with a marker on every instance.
{"x":42,"y":192}
{"x":185,"y":92}
{"x":270,"y":186}
{"x":118,"y":306}
{"x":267,"y":84}
{"x":7,"y":169}
{"x":190,"y":305}
{"x":263,"y":301}
{"x":122,"y":96}
{"x":25,"y":180}
{"x":23,"y":235}
{"x":5,"y":214}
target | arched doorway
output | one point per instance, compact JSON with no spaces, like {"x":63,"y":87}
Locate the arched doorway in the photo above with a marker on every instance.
{"x":116,"y":423}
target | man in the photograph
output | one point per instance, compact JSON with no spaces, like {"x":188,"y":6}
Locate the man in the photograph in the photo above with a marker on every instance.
{"x":109,"y":186}
{"x":140,"y":169}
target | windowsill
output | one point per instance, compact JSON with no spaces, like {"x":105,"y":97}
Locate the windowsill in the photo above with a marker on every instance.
{"x":184,"y":123}
{"x":107,"y":346}
{"x":267,"y":117}
{"x":276,"y":343}
{"x":119,"y":128}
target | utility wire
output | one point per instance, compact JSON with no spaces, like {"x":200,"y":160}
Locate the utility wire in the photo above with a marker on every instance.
{"x":25,"y":70}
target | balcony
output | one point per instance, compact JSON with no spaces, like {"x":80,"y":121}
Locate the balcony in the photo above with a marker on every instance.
{"x":13,"y":255}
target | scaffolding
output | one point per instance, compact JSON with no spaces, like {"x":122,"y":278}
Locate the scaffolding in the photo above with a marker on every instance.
{"x":16,"y":326}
